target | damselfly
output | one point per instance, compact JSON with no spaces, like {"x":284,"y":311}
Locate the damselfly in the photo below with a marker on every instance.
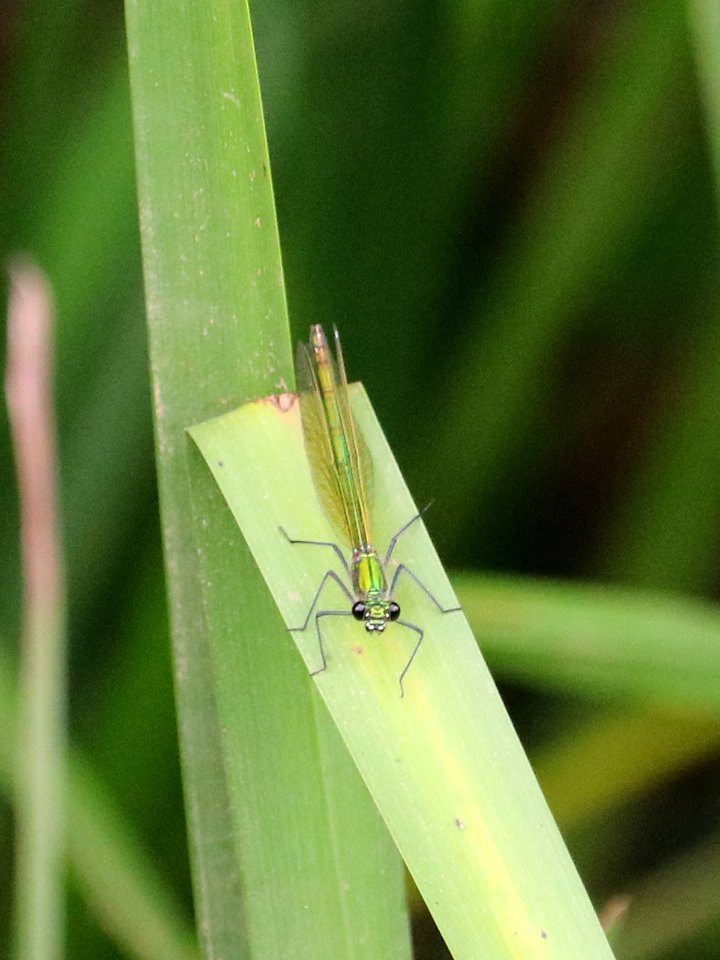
{"x":342,"y":473}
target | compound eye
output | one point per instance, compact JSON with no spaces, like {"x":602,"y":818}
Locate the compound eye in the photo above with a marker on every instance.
{"x":393,"y":611}
{"x":358,"y":610}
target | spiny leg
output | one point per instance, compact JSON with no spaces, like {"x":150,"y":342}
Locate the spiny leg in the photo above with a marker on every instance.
{"x":401,"y":531}
{"x":319,"y":543}
{"x":403,"y":569}
{"x":421,"y":636}
{"x":329,"y":575}
{"x":325,"y":613}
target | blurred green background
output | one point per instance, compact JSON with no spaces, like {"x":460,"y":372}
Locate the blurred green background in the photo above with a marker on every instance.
{"x":509,"y":210}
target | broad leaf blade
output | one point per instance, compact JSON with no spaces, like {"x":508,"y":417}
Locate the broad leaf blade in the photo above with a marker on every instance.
{"x":443,"y":763}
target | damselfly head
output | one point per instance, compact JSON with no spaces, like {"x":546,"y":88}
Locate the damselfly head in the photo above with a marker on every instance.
{"x":375,"y":615}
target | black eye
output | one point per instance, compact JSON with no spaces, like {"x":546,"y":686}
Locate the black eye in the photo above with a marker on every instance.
{"x":358,"y":610}
{"x":393,"y":611}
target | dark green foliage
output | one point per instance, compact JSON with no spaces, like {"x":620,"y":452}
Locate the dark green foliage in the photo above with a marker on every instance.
{"x":509,"y":211}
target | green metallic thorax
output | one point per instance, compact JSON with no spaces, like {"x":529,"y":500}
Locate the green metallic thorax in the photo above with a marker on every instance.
{"x":370,"y":586}
{"x":368,"y":576}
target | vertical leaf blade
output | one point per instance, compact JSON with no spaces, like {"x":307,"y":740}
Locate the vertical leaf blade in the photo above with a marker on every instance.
{"x":263,"y":818}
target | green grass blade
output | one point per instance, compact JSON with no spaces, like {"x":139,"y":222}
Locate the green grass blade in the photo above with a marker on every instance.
{"x":615,"y":645}
{"x":663,"y":534}
{"x":322,"y":877}
{"x":676,"y":907}
{"x":623,"y":756}
{"x":443,"y":764}
{"x":598,"y":183}
{"x":603,"y":641}
{"x":115,"y":875}
{"x":40,"y":779}
{"x":272,"y":871}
